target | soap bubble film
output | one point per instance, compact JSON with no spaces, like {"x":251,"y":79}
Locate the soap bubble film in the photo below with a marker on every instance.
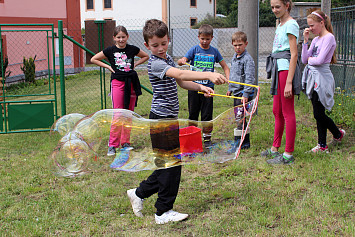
{"x":153,"y":144}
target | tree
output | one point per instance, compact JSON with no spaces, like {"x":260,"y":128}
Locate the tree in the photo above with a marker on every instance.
{"x":229,"y":8}
{"x":226,"y":7}
{"x":335,"y":3}
{"x":266,"y":16}
{"x":215,"y":22}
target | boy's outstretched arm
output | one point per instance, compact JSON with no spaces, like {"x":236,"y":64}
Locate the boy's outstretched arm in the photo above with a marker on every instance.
{"x":182,"y":61}
{"x":186,"y":75}
{"x":192,"y":86}
{"x":225,"y":68}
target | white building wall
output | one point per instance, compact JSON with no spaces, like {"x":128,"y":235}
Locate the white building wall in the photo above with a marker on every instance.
{"x":132,"y":14}
{"x":181,"y":12}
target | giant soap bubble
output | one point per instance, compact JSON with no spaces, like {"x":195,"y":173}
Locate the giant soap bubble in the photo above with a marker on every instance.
{"x":154,"y":144}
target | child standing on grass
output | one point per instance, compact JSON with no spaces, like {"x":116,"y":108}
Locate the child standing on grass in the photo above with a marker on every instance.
{"x":242,"y":70}
{"x":203,"y":57}
{"x":283,"y":68}
{"x":125,"y":86}
{"x":317,"y":78}
{"x":165,"y":104}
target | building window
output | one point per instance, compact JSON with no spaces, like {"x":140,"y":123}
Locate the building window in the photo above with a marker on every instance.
{"x":89,"y":4}
{"x":1,"y":1}
{"x":210,"y":1}
{"x":193,"y":3}
{"x":193,"y":21}
{"x":107,"y":4}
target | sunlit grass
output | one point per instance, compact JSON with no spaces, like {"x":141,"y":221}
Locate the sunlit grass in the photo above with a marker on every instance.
{"x":244,"y":197}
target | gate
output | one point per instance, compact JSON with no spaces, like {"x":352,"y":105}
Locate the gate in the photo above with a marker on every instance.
{"x":27,"y":51}
{"x":87,"y":86}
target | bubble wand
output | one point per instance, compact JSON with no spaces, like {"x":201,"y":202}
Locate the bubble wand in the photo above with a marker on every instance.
{"x":244,"y":84}
{"x":227,"y":96}
{"x":253,"y":110}
{"x":234,"y":82}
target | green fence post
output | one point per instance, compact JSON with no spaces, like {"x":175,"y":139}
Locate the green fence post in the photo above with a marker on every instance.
{"x":102,"y":70}
{"x":61,"y":66}
{"x":3,"y":87}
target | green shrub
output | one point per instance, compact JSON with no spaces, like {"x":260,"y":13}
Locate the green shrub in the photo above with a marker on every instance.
{"x":4,"y":62}
{"x":29,"y":69}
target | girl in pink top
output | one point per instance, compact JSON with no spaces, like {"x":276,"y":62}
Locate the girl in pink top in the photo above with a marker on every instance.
{"x":317,"y":72}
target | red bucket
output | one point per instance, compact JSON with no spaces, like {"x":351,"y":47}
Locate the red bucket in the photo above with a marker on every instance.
{"x":190,"y":140}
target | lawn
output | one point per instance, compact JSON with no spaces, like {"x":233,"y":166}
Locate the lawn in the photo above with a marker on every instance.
{"x":244,"y":197}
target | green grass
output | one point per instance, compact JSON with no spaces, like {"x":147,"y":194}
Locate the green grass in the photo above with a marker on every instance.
{"x":245,"y":197}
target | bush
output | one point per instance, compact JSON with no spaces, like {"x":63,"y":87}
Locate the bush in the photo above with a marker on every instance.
{"x":215,"y":22}
{"x":29,"y":69}
{"x":4,"y":62}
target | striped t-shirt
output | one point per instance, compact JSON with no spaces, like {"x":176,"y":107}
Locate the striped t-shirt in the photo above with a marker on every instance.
{"x":165,"y":100}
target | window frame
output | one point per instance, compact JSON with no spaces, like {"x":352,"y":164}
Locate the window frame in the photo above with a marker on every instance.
{"x":103,"y":5}
{"x":193,"y":18}
{"x":93,"y":5}
{"x":191,"y":6}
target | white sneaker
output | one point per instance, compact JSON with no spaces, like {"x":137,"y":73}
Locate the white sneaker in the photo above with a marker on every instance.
{"x":136,"y":202}
{"x":319,"y":149}
{"x":170,"y":216}
{"x":111,"y":151}
{"x":336,"y":141}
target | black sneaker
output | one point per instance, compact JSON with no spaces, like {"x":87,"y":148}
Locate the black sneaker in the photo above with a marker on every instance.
{"x":207,"y":144}
{"x":281,"y":160}
{"x":269,"y":153}
{"x":126,"y":146}
{"x":111,"y":151}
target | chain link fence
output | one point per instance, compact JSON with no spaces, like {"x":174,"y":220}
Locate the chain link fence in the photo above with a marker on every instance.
{"x":343,"y":21}
{"x":87,"y":90}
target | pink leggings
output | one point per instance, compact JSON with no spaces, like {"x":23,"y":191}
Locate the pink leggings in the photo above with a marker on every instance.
{"x":120,"y":134}
{"x":284,"y":112}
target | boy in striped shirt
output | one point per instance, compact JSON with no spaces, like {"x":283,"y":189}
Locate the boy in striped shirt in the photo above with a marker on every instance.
{"x":165,"y":104}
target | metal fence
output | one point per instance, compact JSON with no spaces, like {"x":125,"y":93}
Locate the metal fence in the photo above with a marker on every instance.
{"x":27,"y":109}
{"x":87,"y":89}
{"x":343,"y":21}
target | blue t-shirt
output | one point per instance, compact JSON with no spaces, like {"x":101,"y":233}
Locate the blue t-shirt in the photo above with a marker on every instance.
{"x":281,"y":42}
{"x":203,"y":60}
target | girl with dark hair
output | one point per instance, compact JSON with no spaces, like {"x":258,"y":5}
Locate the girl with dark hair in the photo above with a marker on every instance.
{"x":125,"y":86}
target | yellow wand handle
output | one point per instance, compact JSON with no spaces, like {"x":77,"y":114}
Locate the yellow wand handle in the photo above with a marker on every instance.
{"x":227,"y":96}
{"x":244,"y":84}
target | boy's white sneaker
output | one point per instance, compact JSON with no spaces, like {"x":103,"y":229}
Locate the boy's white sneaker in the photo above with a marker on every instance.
{"x":136,"y":202}
{"x":170,"y":216}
